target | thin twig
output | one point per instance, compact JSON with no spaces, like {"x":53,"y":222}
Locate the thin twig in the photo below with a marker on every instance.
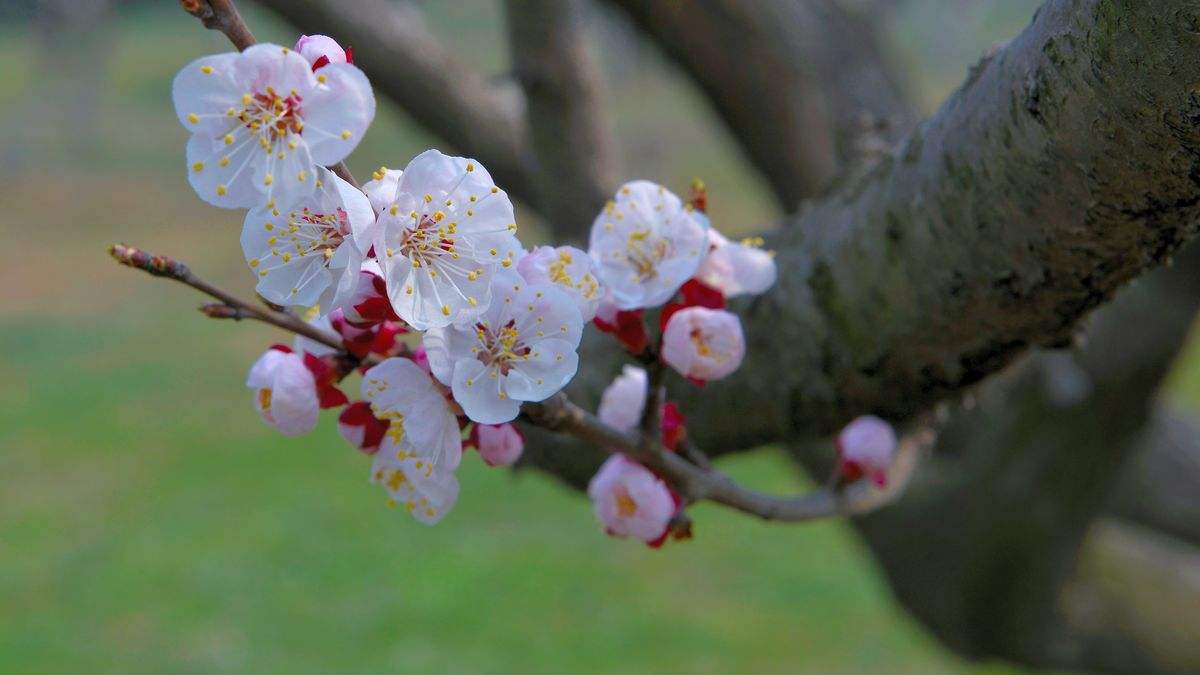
{"x":695,"y":483}
{"x":223,"y":15}
{"x":162,"y":266}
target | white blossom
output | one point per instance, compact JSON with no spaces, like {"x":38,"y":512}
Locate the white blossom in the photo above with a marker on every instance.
{"x":630,"y":501}
{"x":421,"y":422}
{"x":443,"y":238}
{"x":623,"y":401}
{"x":570,"y":269}
{"x":310,"y":253}
{"x":737,"y":268}
{"x":646,"y":244}
{"x":704,"y":344}
{"x":521,"y":349}
{"x":261,"y":120}
{"x":285,"y":391}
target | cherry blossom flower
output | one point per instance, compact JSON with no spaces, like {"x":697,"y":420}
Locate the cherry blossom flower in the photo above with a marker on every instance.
{"x":428,"y":492}
{"x":570,"y":269}
{"x":866,"y":447}
{"x":704,"y":344}
{"x":646,"y":244}
{"x":498,"y":444}
{"x":309,"y":253}
{"x":361,"y":428}
{"x":285,"y":391}
{"x":381,"y":189}
{"x":521,"y":349}
{"x":443,"y":238}
{"x":421,"y":422}
{"x":322,"y":50}
{"x":630,"y":501}
{"x":737,"y":268}
{"x":261,"y":120}
{"x":623,"y":401}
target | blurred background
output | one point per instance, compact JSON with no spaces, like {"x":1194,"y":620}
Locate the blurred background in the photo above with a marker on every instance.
{"x":150,"y":522}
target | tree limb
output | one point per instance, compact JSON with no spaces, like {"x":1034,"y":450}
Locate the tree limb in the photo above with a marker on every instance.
{"x":798,"y":82}
{"x":162,"y":266}
{"x":559,"y":414}
{"x":1065,"y":167}
{"x":564,"y":110}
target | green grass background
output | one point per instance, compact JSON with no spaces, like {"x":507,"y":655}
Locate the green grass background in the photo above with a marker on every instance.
{"x":150,"y":523}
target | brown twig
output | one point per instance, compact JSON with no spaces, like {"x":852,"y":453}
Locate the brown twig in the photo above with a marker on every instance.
{"x":223,"y":15}
{"x":695,"y":483}
{"x":162,"y":266}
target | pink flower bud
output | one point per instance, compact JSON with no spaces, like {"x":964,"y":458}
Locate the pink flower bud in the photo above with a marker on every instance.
{"x":321,"y":50}
{"x":630,"y":501}
{"x":499,"y":444}
{"x":866,"y":448}
{"x":359,"y":426}
{"x":285,"y":391}
{"x":704,"y":344}
{"x":623,"y":401}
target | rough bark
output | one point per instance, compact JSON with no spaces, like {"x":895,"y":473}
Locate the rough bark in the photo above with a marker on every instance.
{"x":563,"y":105}
{"x":800,"y":83}
{"x":987,"y":538}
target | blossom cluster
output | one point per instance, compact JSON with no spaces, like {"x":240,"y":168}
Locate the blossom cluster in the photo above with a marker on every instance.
{"x":451,"y":321}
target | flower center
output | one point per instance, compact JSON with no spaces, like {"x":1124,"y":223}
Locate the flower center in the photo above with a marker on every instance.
{"x":321,"y":233}
{"x":700,"y":340}
{"x":626,"y":507}
{"x":270,"y":115}
{"x":644,"y":253}
{"x":427,"y":239}
{"x":500,"y":348}
{"x":264,"y":399}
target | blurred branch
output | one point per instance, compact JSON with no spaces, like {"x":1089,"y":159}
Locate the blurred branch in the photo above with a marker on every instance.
{"x":422,"y":75}
{"x":562,"y":92}
{"x":798,"y":82}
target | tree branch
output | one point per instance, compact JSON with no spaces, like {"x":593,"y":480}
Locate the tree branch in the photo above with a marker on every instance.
{"x":563,"y":101}
{"x":561,"y":415}
{"x":798,"y":82}
{"x":1065,"y":167}
{"x":695,"y":483}
{"x":419,"y":73}
{"x":162,"y":266}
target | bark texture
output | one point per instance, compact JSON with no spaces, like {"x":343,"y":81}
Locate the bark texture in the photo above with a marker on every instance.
{"x":800,"y":83}
{"x":562,"y":94}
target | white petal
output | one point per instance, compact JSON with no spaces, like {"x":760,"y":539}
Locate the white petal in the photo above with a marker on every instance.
{"x":223,"y":173}
{"x":337,"y":112}
{"x":550,"y":366}
{"x":204,"y":91}
{"x":478,"y":392}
